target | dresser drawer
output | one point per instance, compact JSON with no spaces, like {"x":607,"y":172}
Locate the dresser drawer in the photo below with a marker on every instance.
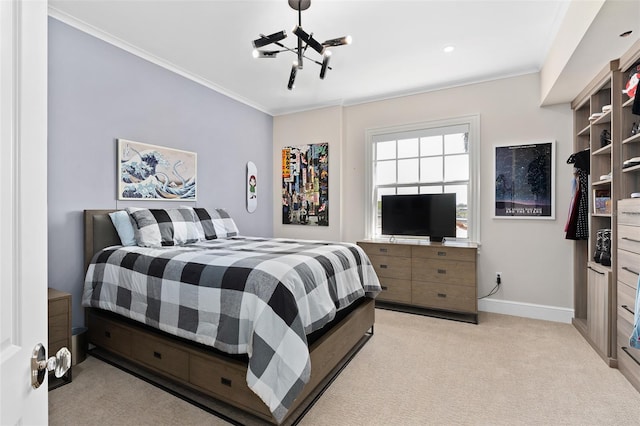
{"x":447,"y":272}
{"x":629,"y":212}
{"x":161,"y":356}
{"x":626,"y":302}
{"x":442,"y":296}
{"x":394,"y":290}
{"x":58,"y":307}
{"x":375,"y":249}
{"x":55,"y":346}
{"x":444,"y":253}
{"x":59,"y":327}
{"x":628,"y":357}
{"x":629,"y":238}
{"x":392,"y":267}
{"x":628,"y":264}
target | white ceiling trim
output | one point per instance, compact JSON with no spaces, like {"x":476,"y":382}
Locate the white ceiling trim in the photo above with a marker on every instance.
{"x":420,"y":91}
{"x":115,"y":41}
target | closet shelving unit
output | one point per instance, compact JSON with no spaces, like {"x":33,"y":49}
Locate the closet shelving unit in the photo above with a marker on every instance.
{"x":594,"y":283}
{"x":604,"y":296}
{"x":628,"y":249}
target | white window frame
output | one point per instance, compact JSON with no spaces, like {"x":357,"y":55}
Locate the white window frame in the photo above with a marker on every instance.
{"x":473,"y":121}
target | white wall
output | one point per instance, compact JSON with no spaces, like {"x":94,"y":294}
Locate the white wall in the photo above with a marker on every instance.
{"x":533,"y":255}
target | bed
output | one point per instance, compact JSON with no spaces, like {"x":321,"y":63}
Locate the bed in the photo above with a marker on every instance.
{"x":262,"y":333}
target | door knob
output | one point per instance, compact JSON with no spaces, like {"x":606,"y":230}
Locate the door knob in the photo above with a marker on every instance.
{"x":40,"y":365}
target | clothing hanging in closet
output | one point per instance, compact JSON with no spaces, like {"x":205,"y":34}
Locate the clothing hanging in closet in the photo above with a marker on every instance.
{"x":577,"y":226}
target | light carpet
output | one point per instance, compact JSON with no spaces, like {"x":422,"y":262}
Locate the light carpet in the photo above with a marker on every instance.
{"x":415,"y":370}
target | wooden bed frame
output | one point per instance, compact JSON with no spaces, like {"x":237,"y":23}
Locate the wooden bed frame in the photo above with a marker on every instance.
{"x":205,"y":372}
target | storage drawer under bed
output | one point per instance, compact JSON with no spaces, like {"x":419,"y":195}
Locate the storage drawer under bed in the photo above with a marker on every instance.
{"x":109,"y":335}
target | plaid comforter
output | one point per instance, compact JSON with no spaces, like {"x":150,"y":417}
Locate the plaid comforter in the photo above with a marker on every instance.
{"x":241,"y":295}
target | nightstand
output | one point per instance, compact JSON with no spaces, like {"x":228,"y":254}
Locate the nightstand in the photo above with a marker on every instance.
{"x":59,"y":331}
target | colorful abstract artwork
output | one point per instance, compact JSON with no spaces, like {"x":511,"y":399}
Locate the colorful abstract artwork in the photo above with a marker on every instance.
{"x":305,"y":184}
{"x":151,"y":172}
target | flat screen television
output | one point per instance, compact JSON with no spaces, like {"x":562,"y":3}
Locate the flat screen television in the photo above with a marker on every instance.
{"x":424,"y":215}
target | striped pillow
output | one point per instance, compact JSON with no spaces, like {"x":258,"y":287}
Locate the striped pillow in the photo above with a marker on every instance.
{"x":163,"y":227}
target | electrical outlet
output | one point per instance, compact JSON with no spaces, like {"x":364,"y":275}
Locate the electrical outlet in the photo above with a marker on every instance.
{"x":498,"y":277}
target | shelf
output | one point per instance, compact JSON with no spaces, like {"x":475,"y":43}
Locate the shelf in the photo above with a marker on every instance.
{"x":631,"y":169}
{"x":605,"y":118}
{"x":628,"y":103}
{"x":605,"y":150}
{"x":607,"y":215}
{"x":602,"y":182}
{"x":632,"y":139}
{"x":585,"y":132}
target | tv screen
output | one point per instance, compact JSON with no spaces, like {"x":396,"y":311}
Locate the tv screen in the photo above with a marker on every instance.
{"x":424,"y":215}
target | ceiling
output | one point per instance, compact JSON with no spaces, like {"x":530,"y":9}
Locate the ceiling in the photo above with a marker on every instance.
{"x":397,"y":45}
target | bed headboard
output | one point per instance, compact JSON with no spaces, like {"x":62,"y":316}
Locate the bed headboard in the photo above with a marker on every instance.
{"x":99,"y":233}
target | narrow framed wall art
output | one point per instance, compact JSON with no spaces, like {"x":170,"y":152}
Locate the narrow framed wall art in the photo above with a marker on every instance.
{"x":252,"y":187}
{"x":305,"y":184}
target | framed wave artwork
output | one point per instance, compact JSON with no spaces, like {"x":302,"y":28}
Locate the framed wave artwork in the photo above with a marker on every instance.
{"x":150,"y":172}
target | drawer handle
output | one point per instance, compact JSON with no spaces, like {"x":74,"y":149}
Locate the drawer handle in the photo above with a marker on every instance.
{"x":442,"y":295}
{"x":225,"y":381}
{"x":631,"y":213}
{"x":383,"y":266}
{"x":596,"y":271}
{"x":157,"y":355}
{"x":384,"y":287}
{"x":626,"y":308}
{"x":383,"y":250}
{"x":442,"y":271}
{"x":626,"y":350}
{"x":626,"y":268}
{"x":442,"y":253}
{"x":107,"y":334}
{"x":631,"y":239}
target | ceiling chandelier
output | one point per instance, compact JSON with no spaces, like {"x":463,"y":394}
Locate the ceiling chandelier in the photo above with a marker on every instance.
{"x":305,"y":40}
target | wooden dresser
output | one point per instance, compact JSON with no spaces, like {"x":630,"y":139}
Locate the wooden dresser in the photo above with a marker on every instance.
{"x":628,"y":268}
{"x":59,"y":315}
{"x":429,"y":278}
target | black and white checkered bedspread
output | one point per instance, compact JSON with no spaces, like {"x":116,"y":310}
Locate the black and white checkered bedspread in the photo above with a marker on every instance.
{"x":241,"y":295}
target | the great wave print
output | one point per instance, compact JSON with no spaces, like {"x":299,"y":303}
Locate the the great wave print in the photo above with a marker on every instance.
{"x":155,"y":173}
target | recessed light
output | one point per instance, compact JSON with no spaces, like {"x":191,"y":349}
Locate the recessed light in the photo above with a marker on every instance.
{"x":626,"y":33}
{"x":448,"y":49}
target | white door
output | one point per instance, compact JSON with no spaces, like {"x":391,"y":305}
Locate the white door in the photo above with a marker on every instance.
{"x":23,"y":207}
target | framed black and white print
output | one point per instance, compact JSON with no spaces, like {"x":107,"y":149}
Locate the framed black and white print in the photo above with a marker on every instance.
{"x":525,"y":181}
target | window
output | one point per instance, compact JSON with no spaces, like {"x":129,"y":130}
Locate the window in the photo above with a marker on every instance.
{"x":427,"y":158}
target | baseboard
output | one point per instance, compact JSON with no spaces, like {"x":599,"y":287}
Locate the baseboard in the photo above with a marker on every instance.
{"x":526,"y":310}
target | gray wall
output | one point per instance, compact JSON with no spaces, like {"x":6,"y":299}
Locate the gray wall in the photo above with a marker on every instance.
{"x":98,"y":93}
